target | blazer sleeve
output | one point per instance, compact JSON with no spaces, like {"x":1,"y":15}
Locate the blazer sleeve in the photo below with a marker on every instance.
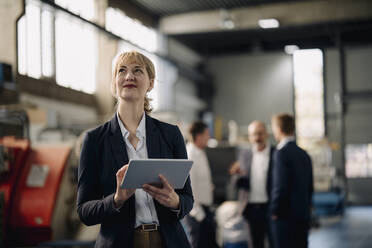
{"x":185,"y":194}
{"x":311,"y":186}
{"x":280,"y":188}
{"x":245,"y":157}
{"x":92,"y":207}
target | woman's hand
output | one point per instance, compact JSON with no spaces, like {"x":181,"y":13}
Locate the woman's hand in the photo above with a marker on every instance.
{"x":121,"y":195}
{"x":165,"y":195}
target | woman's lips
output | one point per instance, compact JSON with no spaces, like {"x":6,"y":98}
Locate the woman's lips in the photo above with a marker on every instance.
{"x":130,"y":86}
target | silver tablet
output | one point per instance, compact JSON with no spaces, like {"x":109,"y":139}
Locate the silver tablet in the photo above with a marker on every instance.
{"x":146,"y":171}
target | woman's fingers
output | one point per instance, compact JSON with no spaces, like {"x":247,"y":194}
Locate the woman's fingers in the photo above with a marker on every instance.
{"x":155,"y":191}
{"x":122,"y":170}
{"x":161,"y":198}
{"x":165,"y":182}
{"x":165,"y":196}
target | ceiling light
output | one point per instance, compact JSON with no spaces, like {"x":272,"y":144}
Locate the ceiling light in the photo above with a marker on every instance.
{"x":226,"y":20}
{"x":268,"y":23}
{"x":228,"y":23}
{"x":290,"y":49}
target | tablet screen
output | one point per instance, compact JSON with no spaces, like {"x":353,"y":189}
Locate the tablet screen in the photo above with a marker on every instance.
{"x":146,"y":171}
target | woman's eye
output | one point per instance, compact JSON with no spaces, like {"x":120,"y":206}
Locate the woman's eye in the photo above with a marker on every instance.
{"x":138,"y":70}
{"x":121,"y":70}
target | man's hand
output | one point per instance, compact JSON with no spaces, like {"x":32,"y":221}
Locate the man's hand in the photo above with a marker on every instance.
{"x":235,"y":168}
{"x":121,"y":195}
{"x":165,"y":195}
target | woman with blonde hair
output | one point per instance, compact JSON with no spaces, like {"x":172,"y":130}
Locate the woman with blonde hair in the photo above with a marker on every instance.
{"x":147,"y":217}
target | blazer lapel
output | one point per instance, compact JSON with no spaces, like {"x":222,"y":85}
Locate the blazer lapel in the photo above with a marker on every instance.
{"x":249,"y":163}
{"x":152,"y":139}
{"x":117,"y":143}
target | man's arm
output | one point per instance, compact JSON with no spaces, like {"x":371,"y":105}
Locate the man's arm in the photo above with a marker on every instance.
{"x":245,"y":159}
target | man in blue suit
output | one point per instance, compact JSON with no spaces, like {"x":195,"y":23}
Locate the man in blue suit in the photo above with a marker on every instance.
{"x":292,"y":190}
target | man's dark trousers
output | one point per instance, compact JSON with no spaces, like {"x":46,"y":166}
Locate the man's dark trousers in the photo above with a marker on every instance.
{"x":258,"y":219}
{"x":203,"y":233}
{"x":290,"y":234}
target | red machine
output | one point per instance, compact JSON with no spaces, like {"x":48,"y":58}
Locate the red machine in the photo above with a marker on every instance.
{"x":36,"y":192}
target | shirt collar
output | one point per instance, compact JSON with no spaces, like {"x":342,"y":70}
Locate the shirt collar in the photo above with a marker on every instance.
{"x":284,"y":141}
{"x":264,"y":151}
{"x":141,"y":129}
{"x":194,"y":147}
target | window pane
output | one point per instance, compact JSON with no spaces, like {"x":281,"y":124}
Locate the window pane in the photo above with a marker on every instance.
{"x":309,"y":104}
{"x":22,"y":44}
{"x":134,"y":31}
{"x":47,"y":43}
{"x":358,"y":160}
{"x":84,"y":8}
{"x":33,"y":40}
{"x":75,"y":54}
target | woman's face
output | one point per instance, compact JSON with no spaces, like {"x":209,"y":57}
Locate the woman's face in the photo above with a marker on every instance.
{"x":132,"y":82}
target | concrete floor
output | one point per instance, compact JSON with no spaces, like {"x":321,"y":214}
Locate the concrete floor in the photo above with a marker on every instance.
{"x":354,"y":230}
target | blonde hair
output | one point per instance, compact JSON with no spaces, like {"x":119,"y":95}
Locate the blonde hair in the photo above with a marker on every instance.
{"x":138,"y":58}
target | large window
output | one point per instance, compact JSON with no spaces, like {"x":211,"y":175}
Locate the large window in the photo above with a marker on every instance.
{"x":29,"y":41}
{"x":358,"y":160}
{"x":84,"y":8}
{"x":52,"y":44}
{"x":309,"y":90}
{"x":76,"y":56}
{"x":132,"y":30}
{"x":309,"y":110}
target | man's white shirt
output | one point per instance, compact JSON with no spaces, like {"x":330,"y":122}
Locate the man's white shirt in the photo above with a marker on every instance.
{"x":201,"y":180}
{"x":258,"y":175}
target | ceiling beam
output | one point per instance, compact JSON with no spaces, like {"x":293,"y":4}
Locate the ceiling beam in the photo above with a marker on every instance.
{"x":288,"y":14}
{"x":135,"y":12}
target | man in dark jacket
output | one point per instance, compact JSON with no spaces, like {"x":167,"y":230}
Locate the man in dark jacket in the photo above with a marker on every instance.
{"x":292,"y":190}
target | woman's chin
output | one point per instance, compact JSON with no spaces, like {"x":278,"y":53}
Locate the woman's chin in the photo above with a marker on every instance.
{"x":129,"y":97}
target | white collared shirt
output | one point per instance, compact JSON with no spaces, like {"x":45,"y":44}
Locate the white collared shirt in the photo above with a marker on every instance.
{"x":201,"y":180}
{"x":145,"y":208}
{"x":284,"y":141}
{"x":200,"y":175}
{"x":258,"y":175}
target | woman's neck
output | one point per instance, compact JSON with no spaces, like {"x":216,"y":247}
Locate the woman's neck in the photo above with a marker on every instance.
{"x":130,"y":114}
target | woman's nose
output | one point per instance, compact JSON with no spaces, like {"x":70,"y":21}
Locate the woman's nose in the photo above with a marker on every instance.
{"x":129,"y":76}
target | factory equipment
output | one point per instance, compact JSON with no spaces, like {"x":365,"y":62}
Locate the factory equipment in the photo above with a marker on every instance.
{"x":220,"y":158}
{"x":329,"y":196}
{"x":37,"y":190}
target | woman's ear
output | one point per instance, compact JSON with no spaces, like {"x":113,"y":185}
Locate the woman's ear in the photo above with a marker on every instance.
{"x":151,"y":85}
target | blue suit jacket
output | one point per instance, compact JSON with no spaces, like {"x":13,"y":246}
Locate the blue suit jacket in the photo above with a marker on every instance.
{"x":292,"y":183}
{"x":103,"y":153}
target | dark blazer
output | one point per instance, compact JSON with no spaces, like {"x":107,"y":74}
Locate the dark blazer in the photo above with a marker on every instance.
{"x":244,"y":182}
{"x":103,"y":153}
{"x":292,"y":184}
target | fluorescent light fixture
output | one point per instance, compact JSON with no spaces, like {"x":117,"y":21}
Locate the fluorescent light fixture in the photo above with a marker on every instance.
{"x":226,"y":20}
{"x":268,"y":23}
{"x":212,"y":143}
{"x":228,"y":24}
{"x":290,"y":49}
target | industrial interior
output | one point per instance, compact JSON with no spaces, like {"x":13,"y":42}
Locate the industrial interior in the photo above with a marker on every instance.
{"x":226,"y":62}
